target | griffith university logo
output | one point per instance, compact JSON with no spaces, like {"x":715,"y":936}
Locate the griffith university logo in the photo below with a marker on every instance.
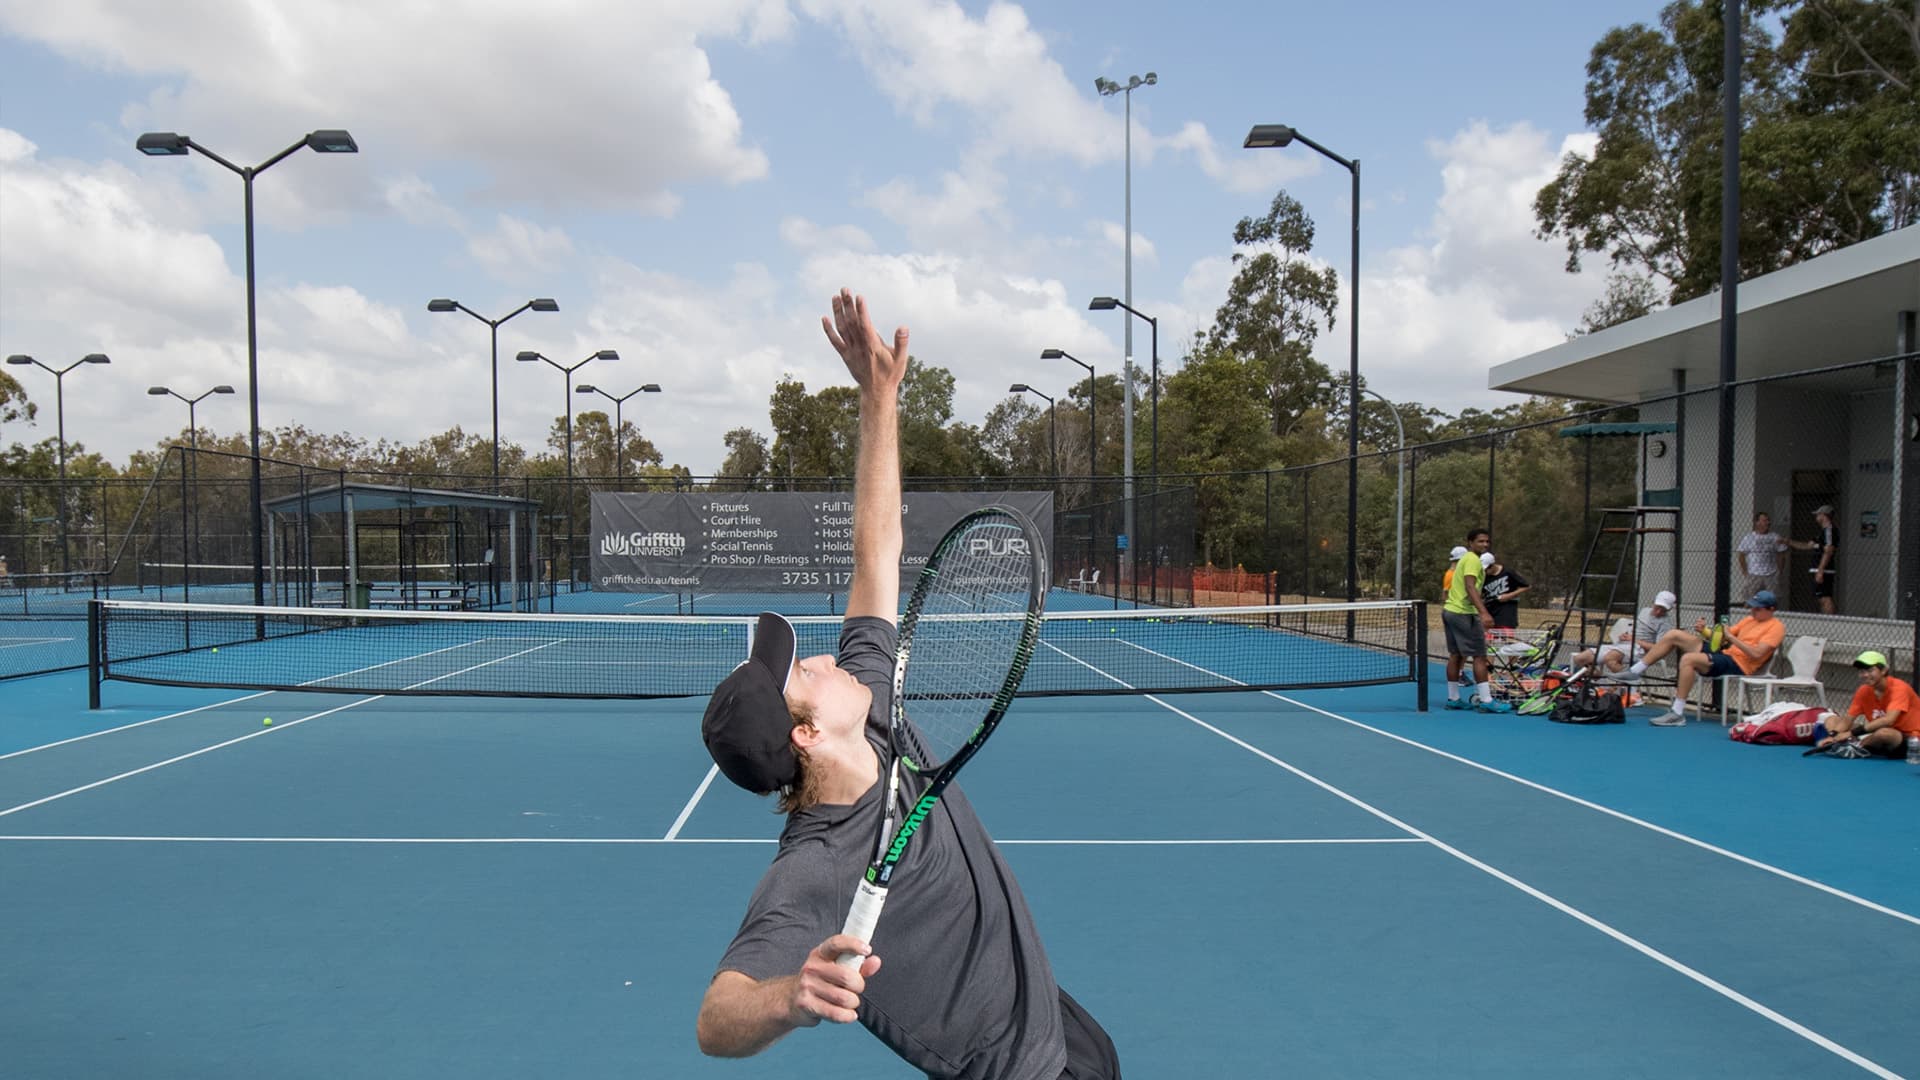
{"x":651,"y":545}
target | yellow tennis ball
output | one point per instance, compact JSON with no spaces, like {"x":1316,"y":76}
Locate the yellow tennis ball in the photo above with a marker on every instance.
{"x":268,"y":722}
{"x":216,"y":648}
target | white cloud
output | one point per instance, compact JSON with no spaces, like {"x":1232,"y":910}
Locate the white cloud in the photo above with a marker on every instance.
{"x":517,"y":249}
{"x":800,"y":233}
{"x":1239,"y":170}
{"x":1115,"y":235}
{"x":1480,"y":290}
{"x":605,"y":104}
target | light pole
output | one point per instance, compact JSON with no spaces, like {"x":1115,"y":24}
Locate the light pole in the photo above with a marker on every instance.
{"x":193,"y":436}
{"x":566,"y":414}
{"x":1108,"y":303}
{"x":1108,"y":88}
{"x":1053,"y":424}
{"x":1093,"y":442}
{"x":193,"y":425}
{"x":493,"y":325}
{"x":60,"y":409}
{"x":1277,"y":135}
{"x":1399,"y":495}
{"x":326,"y":141}
{"x":619,"y":468}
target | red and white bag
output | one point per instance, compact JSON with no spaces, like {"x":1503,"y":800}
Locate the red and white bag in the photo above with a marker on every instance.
{"x":1784,"y":723}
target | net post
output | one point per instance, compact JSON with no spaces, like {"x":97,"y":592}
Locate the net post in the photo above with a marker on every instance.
{"x":1422,"y":671}
{"x":93,"y":654}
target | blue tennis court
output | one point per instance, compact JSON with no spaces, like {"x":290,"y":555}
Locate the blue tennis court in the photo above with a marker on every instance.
{"x":1320,"y":883}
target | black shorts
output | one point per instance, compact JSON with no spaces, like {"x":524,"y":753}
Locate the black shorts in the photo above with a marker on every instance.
{"x":1090,"y":1053}
{"x":1722,"y":666}
{"x":1823,"y":589}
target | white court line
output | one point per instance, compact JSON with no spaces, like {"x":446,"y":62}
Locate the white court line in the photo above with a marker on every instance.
{"x":230,"y":701}
{"x":1621,"y":815}
{"x":135,"y":724}
{"x":1557,"y":904}
{"x":21,"y":643}
{"x":649,"y":600}
{"x":1575,"y":799}
{"x":265,"y":731}
{"x":1324,"y":841}
{"x":687,"y":810}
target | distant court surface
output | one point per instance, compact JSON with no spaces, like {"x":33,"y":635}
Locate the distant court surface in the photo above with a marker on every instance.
{"x":640,"y":656}
{"x":1321,"y":883}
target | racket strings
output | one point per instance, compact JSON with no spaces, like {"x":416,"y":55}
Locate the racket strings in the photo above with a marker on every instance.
{"x":969,"y":621}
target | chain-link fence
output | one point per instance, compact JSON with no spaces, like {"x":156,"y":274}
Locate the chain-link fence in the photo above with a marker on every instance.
{"x":1595,"y":511}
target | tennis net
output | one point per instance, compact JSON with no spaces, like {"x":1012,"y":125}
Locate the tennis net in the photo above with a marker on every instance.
{"x":1157,"y":651}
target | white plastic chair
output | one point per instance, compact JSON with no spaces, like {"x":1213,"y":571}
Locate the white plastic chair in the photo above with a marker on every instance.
{"x":1079,"y":580}
{"x":1804,"y":655}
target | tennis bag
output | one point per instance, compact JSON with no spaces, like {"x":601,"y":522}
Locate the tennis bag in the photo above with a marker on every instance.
{"x":1588,"y":704}
{"x":1784,"y":723}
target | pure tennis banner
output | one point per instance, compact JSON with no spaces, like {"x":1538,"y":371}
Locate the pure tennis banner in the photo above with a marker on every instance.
{"x":765,"y":541}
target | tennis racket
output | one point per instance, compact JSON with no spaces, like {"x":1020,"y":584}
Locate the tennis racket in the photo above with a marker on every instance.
{"x":970,"y":629}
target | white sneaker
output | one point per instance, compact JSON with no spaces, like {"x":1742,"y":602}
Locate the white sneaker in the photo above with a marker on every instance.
{"x":1669,"y":719}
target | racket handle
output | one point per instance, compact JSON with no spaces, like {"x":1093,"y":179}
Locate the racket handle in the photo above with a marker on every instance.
{"x":868,"y":899}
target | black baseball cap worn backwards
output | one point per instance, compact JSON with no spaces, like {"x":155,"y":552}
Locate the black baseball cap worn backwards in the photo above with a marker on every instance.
{"x":747,"y":728}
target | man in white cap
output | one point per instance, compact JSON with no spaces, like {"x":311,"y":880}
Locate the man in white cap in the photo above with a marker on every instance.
{"x":967,"y":991}
{"x":1652,"y":623}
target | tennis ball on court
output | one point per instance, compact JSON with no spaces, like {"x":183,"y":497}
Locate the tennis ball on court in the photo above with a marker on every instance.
{"x":268,"y":722}
{"x":216,"y":648}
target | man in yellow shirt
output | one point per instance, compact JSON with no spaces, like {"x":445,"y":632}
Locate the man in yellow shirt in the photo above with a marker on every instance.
{"x":1750,"y":644}
{"x":1884,"y":711}
{"x":1466,"y":620}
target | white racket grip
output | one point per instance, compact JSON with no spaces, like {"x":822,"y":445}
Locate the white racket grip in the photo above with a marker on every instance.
{"x":868,"y":899}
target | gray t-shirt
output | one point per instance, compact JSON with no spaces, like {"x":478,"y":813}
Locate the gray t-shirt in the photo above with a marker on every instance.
{"x":965,"y":990}
{"x":1649,"y":627}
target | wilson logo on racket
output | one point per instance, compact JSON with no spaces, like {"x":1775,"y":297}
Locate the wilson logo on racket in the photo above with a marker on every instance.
{"x":912,"y":825}
{"x":998,"y":546}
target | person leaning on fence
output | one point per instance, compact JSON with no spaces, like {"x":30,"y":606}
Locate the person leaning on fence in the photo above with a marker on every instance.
{"x":1750,"y":643}
{"x":1654,"y":622}
{"x":1466,"y":619}
{"x":1502,"y":590}
{"x":1828,"y":563}
{"x":1883,"y":714}
{"x":1759,"y":553}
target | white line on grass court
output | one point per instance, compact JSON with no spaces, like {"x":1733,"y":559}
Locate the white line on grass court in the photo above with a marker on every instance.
{"x":695,"y":840}
{"x":1557,"y":904}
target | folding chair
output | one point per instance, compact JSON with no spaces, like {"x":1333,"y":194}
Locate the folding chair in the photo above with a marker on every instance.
{"x":1804,"y":655}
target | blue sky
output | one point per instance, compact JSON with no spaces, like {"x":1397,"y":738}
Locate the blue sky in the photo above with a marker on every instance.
{"x":690,"y":181}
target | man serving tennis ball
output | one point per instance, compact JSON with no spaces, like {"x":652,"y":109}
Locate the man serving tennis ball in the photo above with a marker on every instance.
{"x":967,"y":990}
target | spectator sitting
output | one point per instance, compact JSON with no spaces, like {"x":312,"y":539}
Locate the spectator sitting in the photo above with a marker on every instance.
{"x":1503,"y":587}
{"x":1883,"y":714}
{"x":1653,"y":623}
{"x":1750,"y":644}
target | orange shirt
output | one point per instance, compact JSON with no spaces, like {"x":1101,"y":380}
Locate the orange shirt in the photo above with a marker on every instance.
{"x":1757,"y":634}
{"x":1897,"y":695}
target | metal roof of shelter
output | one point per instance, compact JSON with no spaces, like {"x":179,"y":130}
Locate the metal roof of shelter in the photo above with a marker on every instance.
{"x":1834,"y":308}
{"x":332,"y":500}
{"x":1589,"y":431}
